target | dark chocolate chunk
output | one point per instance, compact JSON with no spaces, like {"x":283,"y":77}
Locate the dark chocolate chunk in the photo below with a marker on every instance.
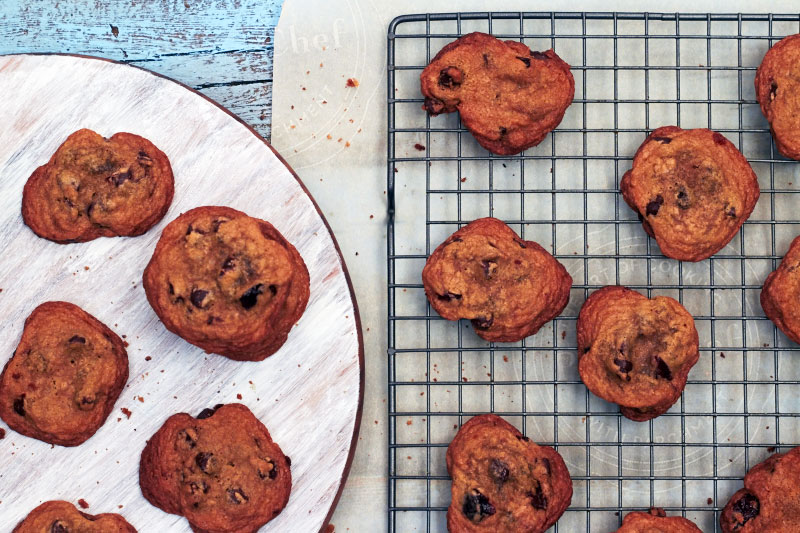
{"x":773,"y":90}
{"x":237,"y":496}
{"x":546,"y":462}
{"x":143,"y":159}
{"x":683,"y":198}
{"x":476,"y":506}
{"x":483,"y":322}
{"x":526,"y":60}
{"x":59,"y":527}
{"x":498,"y":470}
{"x":206,"y":413}
{"x":540,"y":55}
{"x":433,"y":106}
{"x":747,"y":506}
{"x":521,"y":243}
{"x":503,"y":131}
{"x":119,"y":177}
{"x":731,"y":212}
{"x":624,"y":365}
{"x":77,"y":339}
{"x":271,"y":474}
{"x":228,"y":265}
{"x":523,"y":438}
{"x":250,"y":297}
{"x":189,"y":436}
{"x":197,"y":297}
{"x":202,"y":459}
{"x":19,"y":405}
{"x":662,"y":140}
{"x":448,"y":296}
{"x":485,"y":60}
{"x":662,"y":369}
{"x":538,"y":499}
{"x":653,"y":207}
{"x":450,"y":77}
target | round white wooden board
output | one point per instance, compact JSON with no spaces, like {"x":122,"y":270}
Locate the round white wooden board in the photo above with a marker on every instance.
{"x":308,"y":394}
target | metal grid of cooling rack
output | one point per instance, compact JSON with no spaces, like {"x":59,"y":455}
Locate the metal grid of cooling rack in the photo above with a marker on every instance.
{"x":633,"y":73}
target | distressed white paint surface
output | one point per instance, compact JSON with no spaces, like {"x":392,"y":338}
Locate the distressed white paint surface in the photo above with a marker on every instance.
{"x":307,"y":394}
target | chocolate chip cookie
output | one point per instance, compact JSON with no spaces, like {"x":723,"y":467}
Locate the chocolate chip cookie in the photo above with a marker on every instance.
{"x":63,"y":517}
{"x":508,"y":97}
{"x":64,"y":377}
{"x":692,"y":189}
{"x":656,"y":521}
{"x":777,"y":87}
{"x":635,"y":351}
{"x":221,"y":470}
{"x":768,"y":503}
{"x":502,"y":481}
{"x":780,"y":296}
{"x":95,"y":187}
{"x":226,"y":282}
{"x":506,"y":286}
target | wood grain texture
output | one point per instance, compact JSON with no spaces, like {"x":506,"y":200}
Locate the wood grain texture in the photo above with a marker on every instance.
{"x":207,"y":44}
{"x":307,"y":394}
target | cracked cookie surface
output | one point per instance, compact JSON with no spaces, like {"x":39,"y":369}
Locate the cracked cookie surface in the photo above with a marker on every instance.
{"x":780,"y":296}
{"x":656,"y":521}
{"x":226,"y":282}
{"x":502,"y":481}
{"x":221,"y":470}
{"x":508,"y":96}
{"x":506,"y":286}
{"x":95,"y":187}
{"x":634,"y":351}
{"x":777,"y":85}
{"x":63,"y":517}
{"x":64,"y":377}
{"x":768,"y":503}
{"x":692,"y":189}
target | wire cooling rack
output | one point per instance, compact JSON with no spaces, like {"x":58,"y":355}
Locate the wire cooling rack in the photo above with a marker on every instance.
{"x":633,"y":72}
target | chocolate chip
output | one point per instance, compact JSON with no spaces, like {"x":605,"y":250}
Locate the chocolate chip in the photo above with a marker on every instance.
{"x":119,"y":177}
{"x":662,"y":369}
{"x":450,"y":77}
{"x":662,"y":140}
{"x":197,"y":297}
{"x":250,"y":297}
{"x":523,"y":438}
{"x":747,"y":506}
{"x":228,"y":265}
{"x":718,"y":138}
{"x":273,"y":290}
{"x":78,"y":339}
{"x":59,"y":527}
{"x":189,"y":436}
{"x":433,"y":106}
{"x":731,"y":212}
{"x":171,"y":288}
{"x":88,"y":400}
{"x":448,"y":296}
{"x":270,"y":473}
{"x":489,"y":268}
{"x":143,"y":159}
{"x":653,"y":207}
{"x":683,"y":198}
{"x":192,"y":229}
{"x":202,"y":459}
{"x":201,"y":487}
{"x":237,"y":496}
{"x":483,"y":322}
{"x":288,"y":460}
{"x":773,"y":90}
{"x":538,"y":499}
{"x":476,"y":506}
{"x":586,"y":349}
{"x":90,"y":208}
{"x":19,"y":405}
{"x":498,"y":470}
{"x":540,"y":55}
{"x":208,"y":411}
{"x":546,"y":463}
{"x":503,"y":131}
{"x":521,"y":243}
{"x":526,"y":60}
{"x":485,"y":60}
{"x":624,"y":365}
{"x":217,"y":223}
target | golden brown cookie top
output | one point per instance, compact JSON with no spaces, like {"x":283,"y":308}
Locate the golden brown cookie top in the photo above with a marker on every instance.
{"x":508,"y":287}
{"x":693,"y":190}
{"x":502,"y":481}
{"x":508,"y":96}
{"x":777,"y":86}
{"x":656,"y":521}
{"x":780,"y":296}
{"x":635,"y":351}
{"x":64,"y":376}
{"x":221,"y":470}
{"x":768,"y":503}
{"x":63,"y":517}
{"x":96,"y":187}
{"x":227,"y":282}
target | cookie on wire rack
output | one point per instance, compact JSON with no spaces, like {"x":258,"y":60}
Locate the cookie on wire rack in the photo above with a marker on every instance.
{"x":692,"y":189}
{"x":777,"y":86}
{"x":780,"y":296}
{"x":656,"y":521}
{"x":508,"y":96}
{"x":63,"y":517}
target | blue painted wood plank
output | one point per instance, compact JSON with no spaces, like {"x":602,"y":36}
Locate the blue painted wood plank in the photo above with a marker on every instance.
{"x":223,"y":48}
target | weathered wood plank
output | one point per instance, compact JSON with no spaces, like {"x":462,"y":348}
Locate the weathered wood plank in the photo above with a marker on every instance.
{"x":206,"y":44}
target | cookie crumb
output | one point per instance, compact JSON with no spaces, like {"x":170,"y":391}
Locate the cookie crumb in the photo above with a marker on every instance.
{"x":83,"y":503}
{"x":709,"y":501}
{"x":2,"y":433}
{"x":126,"y":412}
{"x":238,"y":396}
{"x":420,"y":147}
{"x":148,"y":358}
{"x":351,"y":82}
